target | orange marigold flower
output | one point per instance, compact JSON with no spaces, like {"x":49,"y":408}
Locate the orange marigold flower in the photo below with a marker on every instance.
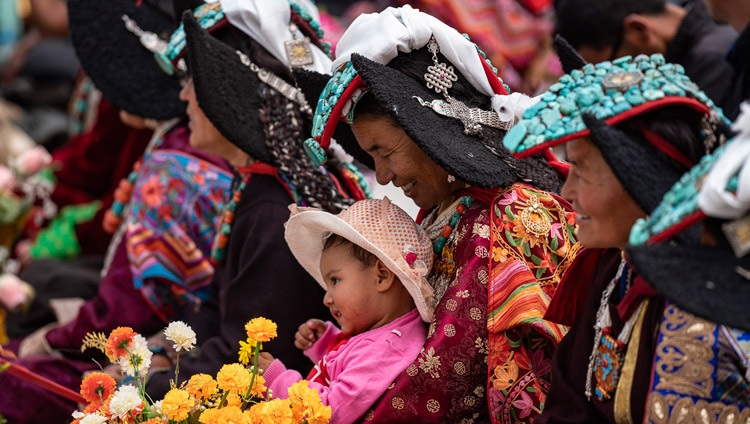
{"x":119,"y":340}
{"x":259,"y":386}
{"x":202,"y":386}
{"x":155,"y":421}
{"x":97,"y":387}
{"x":234,"y":378}
{"x":261,"y":329}
{"x":233,"y":399}
{"x":229,"y":414}
{"x":177,"y":404}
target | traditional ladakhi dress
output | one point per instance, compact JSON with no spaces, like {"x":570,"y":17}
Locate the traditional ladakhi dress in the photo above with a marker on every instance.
{"x":494,"y":281}
{"x":160,"y":266}
{"x":676,"y":367}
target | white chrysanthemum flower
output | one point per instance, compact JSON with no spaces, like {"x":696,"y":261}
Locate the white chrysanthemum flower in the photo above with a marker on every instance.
{"x":139,"y":358}
{"x":95,"y":418}
{"x":124,"y":400}
{"x":156,"y":408}
{"x":181,"y":335}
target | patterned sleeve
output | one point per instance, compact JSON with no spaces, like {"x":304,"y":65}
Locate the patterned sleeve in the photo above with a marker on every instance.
{"x":533,"y":242}
{"x":447,"y":381}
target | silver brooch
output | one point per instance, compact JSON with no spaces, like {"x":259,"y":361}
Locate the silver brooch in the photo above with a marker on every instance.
{"x":439,"y":76}
{"x":148,"y":39}
{"x":298,"y":50}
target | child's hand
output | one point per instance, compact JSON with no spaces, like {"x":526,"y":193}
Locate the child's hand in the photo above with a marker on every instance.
{"x":308,"y":333}
{"x":264,"y":360}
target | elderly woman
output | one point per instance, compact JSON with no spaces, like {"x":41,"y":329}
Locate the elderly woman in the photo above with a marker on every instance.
{"x":243,"y":107}
{"x":633,"y":126}
{"x":431,"y":114}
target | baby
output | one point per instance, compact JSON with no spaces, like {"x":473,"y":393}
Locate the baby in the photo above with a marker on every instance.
{"x":372,"y":260}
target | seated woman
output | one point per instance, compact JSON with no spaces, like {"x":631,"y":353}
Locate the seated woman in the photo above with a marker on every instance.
{"x":168,"y":209}
{"x":243,"y":107}
{"x":633,"y":126}
{"x":431,"y":113}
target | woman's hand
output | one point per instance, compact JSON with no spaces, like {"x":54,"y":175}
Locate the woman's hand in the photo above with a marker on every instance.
{"x":308,"y":333}
{"x":264,"y":360}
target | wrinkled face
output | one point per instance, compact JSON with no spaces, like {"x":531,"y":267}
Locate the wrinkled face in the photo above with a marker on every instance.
{"x":400,"y":161}
{"x":350,"y":289}
{"x":203,"y":133}
{"x":605,"y":211}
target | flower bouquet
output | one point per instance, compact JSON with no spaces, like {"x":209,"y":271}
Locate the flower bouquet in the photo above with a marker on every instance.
{"x":237,"y":394}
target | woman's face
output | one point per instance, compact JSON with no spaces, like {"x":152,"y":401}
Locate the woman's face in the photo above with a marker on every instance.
{"x":605,"y":211}
{"x":203,"y":133}
{"x":400,"y":161}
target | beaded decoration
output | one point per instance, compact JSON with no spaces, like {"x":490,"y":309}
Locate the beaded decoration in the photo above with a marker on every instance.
{"x":445,"y":233}
{"x":210,"y":16}
{"x":612,"y":91}
{"x":679,"y":206}
{"x":341,"y":94}
{"x":219,"y":249}
{"x":314,"y":26}
{"x":114,"y":216}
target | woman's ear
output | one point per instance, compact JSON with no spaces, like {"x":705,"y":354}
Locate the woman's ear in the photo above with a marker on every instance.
{"x":386,"y":277}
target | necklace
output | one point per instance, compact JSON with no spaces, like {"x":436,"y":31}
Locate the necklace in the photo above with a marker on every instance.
{"x":219,"y":249}
{"x":608,"y":353}
{"x":445,"y":233}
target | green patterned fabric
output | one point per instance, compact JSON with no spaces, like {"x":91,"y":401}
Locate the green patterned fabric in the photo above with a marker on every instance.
{"x":59,"y":239}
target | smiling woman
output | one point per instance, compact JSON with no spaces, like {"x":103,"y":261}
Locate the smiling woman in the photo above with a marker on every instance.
{"x":430,"y":119}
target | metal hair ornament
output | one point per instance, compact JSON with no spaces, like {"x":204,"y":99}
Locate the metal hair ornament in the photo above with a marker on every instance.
{"x":148,"y":39}
{"x":440,"y":77}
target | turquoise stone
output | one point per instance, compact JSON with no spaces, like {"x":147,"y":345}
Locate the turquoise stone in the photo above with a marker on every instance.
{"x":514,"y":136}
{"x":653,"y":94}
{"x":576,"y":74}
{"x":556,"y":87}
{"x":548,"y":97}
{"x":550,"y":116}
{"x":588,"y":69}
{"x":621,"y":107}
{"x":672,"y":90}
{"x":622,"y":60}
{"x":657,"y":59}
{"x":567,"y":107}
{"x":315,"y":152}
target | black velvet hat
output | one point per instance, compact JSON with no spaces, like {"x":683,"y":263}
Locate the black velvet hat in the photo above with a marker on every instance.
{"x":443,"y":139}
{"x":710,"y":281}
{"x":226,"y":89}
{"x":118,"y":62}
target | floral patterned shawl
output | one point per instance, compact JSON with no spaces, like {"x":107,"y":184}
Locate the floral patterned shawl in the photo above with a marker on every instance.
{"x":511,"y":274}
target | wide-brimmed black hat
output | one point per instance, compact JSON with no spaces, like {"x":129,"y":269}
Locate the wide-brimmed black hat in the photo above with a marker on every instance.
{"x":226,"y":89}
{"x":442,"y":138}
{"x":116,"y":60}
{"x":710,"y":281}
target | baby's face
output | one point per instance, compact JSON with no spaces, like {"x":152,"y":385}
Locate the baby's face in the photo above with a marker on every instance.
{"x":351,"y":290}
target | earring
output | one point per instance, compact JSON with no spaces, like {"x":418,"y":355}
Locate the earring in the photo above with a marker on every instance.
{"x":451,"y":179}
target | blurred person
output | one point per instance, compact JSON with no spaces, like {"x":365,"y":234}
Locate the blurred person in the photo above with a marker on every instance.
{"x":686,"y":35}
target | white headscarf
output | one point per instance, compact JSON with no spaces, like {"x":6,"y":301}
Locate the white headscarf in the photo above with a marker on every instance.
{"x":713,"y":199}
{"x":267,"y":22}
{"x":381,"y":36}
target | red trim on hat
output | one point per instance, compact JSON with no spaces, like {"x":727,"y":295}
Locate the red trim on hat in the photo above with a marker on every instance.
{"x":494,"y":81}
{"x":335,"y":117}
{"x":677,"y":228}
{"x":665,"y":147}
{"x":630,"y":113}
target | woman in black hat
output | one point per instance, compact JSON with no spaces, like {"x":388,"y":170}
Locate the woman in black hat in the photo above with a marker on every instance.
{"x":429,"y":114}
{"x":633,"y":126}
{"x":242,"y":106}
{"x":165,"y":215}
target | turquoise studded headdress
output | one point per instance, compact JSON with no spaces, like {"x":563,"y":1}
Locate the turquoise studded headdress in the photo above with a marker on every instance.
{"x":711,"y":280}
{"x":611,"y":91}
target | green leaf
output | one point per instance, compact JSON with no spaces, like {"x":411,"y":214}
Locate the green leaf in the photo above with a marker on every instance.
{"x":497,"y":210}
{"x":555,"y":244}
{"x":509,"y":212}
{"x":512,"y":240}
{"x":536,"y":260}
{"x":540,"y":272}
{"x":526,"y":249}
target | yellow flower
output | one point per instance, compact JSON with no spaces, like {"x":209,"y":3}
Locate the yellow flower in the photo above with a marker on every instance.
{"x":227,"y":415}
{"x":273,"y":411}
{"x":261,"y":329}
{"x":247,"y":350}
{"x":233,"y":399}
{"x":234,"y":378}
{"x":259,"y":386}
{"x":306,"y":404}
{"x":177,"y":404}
{"x":201,"y":386}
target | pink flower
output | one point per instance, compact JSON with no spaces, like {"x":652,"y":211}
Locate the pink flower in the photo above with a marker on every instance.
{"x":7,"y":179}
{"x":32,"y":161}
{"x":525,"y":404}
{"x":13,"y":292}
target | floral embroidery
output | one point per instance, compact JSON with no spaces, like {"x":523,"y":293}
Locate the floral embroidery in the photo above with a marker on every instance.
{"x":430,"y":364}
{"x":532,"y":243}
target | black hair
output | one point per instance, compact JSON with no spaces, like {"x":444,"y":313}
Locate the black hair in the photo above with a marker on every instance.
{"x":365,"y":257}
{"x":535,"y":170}
{"x":598,"y":23}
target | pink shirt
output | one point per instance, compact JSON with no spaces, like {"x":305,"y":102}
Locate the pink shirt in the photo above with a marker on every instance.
{"x":361,"y":369}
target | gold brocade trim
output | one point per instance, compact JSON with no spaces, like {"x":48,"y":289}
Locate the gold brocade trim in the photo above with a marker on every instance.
{"x":625,"y":386}
{"x":674,"y":409}
{"x":684,"y":354}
